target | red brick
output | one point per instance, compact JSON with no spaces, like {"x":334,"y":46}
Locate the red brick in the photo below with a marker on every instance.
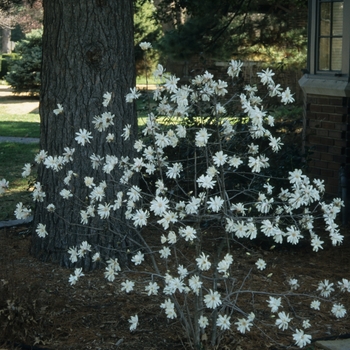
{"x":336,"y":101}
{"x":335,"y":134}
{"x":341,"y":110}
{"x":340,"y":143}
{"x":315,"y":123}
{"x":317,"y":108}
{"x":312,"y":139}
{"x":323,"y":101}
{"x":336,"y":150}
{"x":340,"y":126}
{"x":326,"y":156}
{"x":328,"y":125}
{"x":333,"y":166}
{"x":322,"y":132}
{"x":329,"y":109}
{"x":332,"y":190}
{"x":339,"y":158}
{"x":319,"y":164}
{"x":319,"y":148}
{"x":337,"y":118}
{"x":314,"y":171}
{"x":327,"y":173}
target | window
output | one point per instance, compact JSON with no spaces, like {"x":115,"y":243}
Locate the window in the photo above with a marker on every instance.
{"x":328,"y":64}
{"x":330,"y":35}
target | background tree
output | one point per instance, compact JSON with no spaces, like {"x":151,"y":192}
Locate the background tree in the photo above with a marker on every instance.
{"x":232,"y":28}
{"x":22,"y":15}
{"x":87,"y":51}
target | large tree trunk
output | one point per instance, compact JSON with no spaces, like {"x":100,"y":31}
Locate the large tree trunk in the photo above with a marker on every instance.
{"x":6,"y":40}
{"x":87,"y":51}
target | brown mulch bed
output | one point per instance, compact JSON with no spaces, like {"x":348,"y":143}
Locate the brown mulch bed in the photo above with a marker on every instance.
{"x":39,"y":308}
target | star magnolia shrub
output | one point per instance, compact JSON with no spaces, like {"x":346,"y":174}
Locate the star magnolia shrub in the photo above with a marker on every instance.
{"x":200,"y":166}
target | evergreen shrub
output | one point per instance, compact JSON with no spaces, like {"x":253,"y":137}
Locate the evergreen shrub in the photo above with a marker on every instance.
{"x":24,"y":74}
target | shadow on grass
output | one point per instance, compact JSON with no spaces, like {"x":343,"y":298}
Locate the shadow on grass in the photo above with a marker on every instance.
{"x":19,"y":129}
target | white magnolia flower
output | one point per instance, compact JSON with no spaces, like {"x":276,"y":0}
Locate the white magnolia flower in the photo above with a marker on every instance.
{"x":220,"y":158}
{"x":74,"y":278}
{"x":145,"y":45}
{"x":171,"y":84}
{"x":169,"y":308}
{"x":165,"y":252}
{"x":195,"y":284}
{"x":316,"y":243}
{"x":306,"y":324}
{"x":325,"y":288}
{"x":96,"y":257}
{"x":203,"y":262}
{"x":83,"y":137}
{"x":159,"y":205}
{"x":206,"y":181}
{"x":315,"y":304}
{"x":41,"y":230}
{"x":66,"y":194}
{"x":84,"y":248}
{"x":338,"y":310}
{"x":152,"y":288}
{"x":202,"y":137}
{"x":174,"y":171}
{"x":127,"y":286}
{"x":134,"y":94}
{"x":188,"y":233}
{"x":138,"y":258}
{"x":126,"y":132}
{"x":212,"y":299}
{"x":283,"y":320}
{"x":344,"y":285}
{"x":294,"y":285}
{"x":266,"y":76}
{"x":261,"y":264}
{"x":110,"y":273}
{"x":234,"y":68}
{"x":215,"y":204}
{"x":3,"y":185}
{"x":243,"y":325}
{"x":103,"y":210}
{"x":59,"y":109}
{"x":235,"y":161}
{"x":274,"y":303}
{"x":134,"y":321}
{"x":106,"y":99}
{"x":223,"y":321}
{"x":159,"y":71}
{"x":140,"y":218}
{"x":203,"y":321}
{"x":301,"y":339}
{"x":73,"y":252}
{"x":26,"y":170}
{"x":287,"y":97}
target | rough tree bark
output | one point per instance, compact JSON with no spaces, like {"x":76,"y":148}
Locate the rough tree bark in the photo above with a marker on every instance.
{"x":87,"y":51}
{"x":6,"y":43}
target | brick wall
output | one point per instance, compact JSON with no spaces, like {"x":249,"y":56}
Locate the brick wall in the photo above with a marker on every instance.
{"x":327,"y":138}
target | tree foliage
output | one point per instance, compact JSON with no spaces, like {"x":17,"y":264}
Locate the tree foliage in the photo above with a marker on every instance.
{"x":231,"y":28}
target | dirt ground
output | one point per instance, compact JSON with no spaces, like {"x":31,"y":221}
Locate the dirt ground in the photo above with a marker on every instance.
{"x":17,"y":104}
{"x":39,"y":308}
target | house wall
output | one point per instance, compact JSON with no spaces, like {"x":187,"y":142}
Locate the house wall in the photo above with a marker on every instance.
{"x":327,"y":138}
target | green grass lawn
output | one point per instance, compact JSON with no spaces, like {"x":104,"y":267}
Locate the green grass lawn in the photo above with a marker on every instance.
{"x":15,"y":125}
